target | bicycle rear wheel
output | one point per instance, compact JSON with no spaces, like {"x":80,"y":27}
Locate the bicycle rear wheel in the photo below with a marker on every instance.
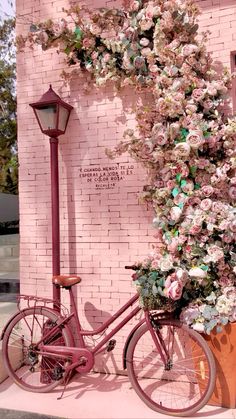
{"x":25,"y":364}
{"x":186,"y":383}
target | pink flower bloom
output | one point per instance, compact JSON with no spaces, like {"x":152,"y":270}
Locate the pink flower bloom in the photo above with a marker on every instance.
{"x":175,"y":290}
{"x":206,"y":204}
{"x":215,"y":254}
{"x":182,"y":150}
{"x":95,"y":29}
{"x":189,"y":49}
{"x":134,"y":5}
{"x":232,"y":193}
{"x":195,"y":229}
{"x":232,"y":226}
{"x":88,"y":43}
{"x":175,"y":213}
{"x":173,"y":246}
{"x":189,"y":187}
{"x":146,"y":52}
{"x":145,"y":25}
{"x":195,"y":139}
{"x":153,"y":68}
{"x":198,"y":94}
{"x":106,"y":57}
{"x":144,"y":42}
{"x":207,"y":190}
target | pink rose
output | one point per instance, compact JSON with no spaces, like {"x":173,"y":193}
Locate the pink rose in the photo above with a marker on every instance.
{"x":198,"y":94}
{"x":174,"y":291}
{"x":208,"y":104}
{"x":173,"y":246}
{"x":206,"y":204}
{"x":182,"y":276}
{"x":153,"y":68}
{"x":134,"y":5}
{"x":191,"y":109}
{"x":181,"y":168}
{"x":195,"y":229}
{"x":144,"y":42}
{"x":195,"y":139}
{"x":106,"y":57}
{"x":95,"y":29}
{"x":88,"y":43}
{"x":232,"y":192}
{"x":225,"y":224}
{"x":189,"y":49}
{"x":146,"y":52}
{"x":207,"y":190}
{"x":189,"y":187}
{"x":215,"y":254}
{"x":182,"y":150}
{"x":145,"y":25}
{"x":181,"y":198}
{"x":233,"y":181}
{"x":232,"y":226}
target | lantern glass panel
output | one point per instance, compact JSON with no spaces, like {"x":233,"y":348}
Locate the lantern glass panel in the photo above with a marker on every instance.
{"x":63,"y":118}
{"x":47,"y":116}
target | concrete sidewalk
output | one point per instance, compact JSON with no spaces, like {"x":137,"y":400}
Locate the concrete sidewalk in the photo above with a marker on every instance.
{"x":90,"y":396}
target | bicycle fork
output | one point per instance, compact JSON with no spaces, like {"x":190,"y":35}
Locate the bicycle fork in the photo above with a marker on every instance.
{"x":154,"y":330}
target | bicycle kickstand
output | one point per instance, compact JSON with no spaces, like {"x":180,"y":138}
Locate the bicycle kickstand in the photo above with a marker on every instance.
{"x":67,"y":379}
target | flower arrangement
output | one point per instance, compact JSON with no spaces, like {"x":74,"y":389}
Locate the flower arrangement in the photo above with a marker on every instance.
{"x":182,"y":139}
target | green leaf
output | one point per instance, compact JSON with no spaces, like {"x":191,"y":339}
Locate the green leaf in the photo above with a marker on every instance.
{"x":178,"y":177}
{"x":184,"y":132}
{"x":193,"y":170}
{"x":197,"y":186}
{"x":183,"y":183}
{"x":67,"y":50}
{"x":175,"y":192}
{"x":181,"y":205}
{"x":204,"y":267}
{"x":78,"y":32}
{"x":78,"y":45}
{"x":161,"y":282}
{"x":153,"y":275}
{"x":206,"y":134}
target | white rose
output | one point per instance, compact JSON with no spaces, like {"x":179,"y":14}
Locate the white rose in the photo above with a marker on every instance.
{"x":199,"y":327}
{"x":175,"y":213}
{"x":197,"y":273}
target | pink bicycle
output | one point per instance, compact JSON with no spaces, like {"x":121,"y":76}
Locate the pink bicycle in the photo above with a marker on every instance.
{"x":169,"y":365}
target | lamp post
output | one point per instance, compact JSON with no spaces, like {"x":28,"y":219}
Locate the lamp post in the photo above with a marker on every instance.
{"x":52,"y":114}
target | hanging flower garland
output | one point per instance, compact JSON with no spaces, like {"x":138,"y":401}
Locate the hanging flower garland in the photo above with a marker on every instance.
{"x":187,"y":147}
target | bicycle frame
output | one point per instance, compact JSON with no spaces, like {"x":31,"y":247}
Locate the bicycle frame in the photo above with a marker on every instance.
{"x":81,"y":333}
{"x":77,"y":352}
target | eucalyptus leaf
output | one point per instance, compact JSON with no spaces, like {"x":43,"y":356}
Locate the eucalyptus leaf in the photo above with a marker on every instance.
{"x":175,"y":192}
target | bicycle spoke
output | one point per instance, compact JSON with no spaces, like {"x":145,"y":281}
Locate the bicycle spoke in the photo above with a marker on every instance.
{"x":32,"y":369}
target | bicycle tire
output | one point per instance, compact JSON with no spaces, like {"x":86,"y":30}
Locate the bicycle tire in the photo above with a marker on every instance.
{"x":31,"y":370}
{"x":189,"y":383}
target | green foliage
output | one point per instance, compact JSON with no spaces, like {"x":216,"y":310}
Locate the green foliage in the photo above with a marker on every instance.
{"x":8,"y":128}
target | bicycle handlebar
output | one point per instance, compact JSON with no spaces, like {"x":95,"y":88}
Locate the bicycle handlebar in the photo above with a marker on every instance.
{"x":133,"y":267}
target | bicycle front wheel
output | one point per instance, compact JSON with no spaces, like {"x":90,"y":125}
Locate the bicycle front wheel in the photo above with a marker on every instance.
{"x":25,"y":364}
{"x":182,"y":386}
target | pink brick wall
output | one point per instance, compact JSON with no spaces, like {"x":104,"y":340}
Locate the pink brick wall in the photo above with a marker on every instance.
{"x":101,"y":229}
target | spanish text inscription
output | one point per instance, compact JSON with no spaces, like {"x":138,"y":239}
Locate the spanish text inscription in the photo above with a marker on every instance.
{"x":107,"y":176}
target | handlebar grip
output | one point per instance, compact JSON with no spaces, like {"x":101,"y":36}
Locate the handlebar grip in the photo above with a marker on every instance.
{"x":133,"y":267}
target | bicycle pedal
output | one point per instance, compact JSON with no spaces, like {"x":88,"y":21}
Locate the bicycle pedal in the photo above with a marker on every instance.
{"x":111,"y":345}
